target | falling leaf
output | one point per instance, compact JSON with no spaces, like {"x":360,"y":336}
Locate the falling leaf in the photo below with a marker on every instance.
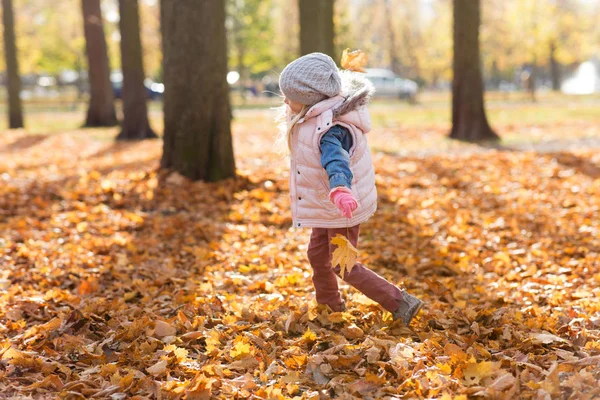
{"x":354,"y":60}
{"x":344,"y":255}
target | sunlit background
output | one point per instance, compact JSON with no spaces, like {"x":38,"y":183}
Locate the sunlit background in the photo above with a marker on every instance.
{"x":526,"y":44}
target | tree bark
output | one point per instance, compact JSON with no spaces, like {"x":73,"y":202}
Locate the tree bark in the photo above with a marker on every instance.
{"x":101,"y":110}
{"x":135,"y":110}
{"x":554,"y":68}
{"x":197,"y":139}
{"x":13,"y":80}
{"x":469,"y":121}
{"x":316,"y":27}
{"x":393,"y":51}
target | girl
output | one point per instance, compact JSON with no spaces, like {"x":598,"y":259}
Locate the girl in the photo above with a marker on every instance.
{"x":332,"y":182}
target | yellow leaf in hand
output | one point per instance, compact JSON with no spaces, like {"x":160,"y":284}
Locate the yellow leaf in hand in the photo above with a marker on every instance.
{"x":344,"y":255}
{"x":354,"y":60}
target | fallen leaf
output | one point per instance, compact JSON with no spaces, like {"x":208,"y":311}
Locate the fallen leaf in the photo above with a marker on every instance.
{"x":503,"y":382}
{"x":162,"y":329}
{"x":352,"y":332}
{"x":476,"y":371}
{"x":545,"y":338}
{"x":159,"y":368}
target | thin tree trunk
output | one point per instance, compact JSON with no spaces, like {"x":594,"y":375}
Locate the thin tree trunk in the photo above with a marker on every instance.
{"x":197,"y":139}
{"x":316,"y":27}
{"x":469,"y":121}
{"x":239,"y":44}
{"x":242,"y":71}
{"x":135,"y":110}
{"x":495,"y":74}
{"x":532,"y":80}
{"x":101,"y":111}
{"x":13,"y":84}
{"x":554,"y":68}
{"x":393,"y":51}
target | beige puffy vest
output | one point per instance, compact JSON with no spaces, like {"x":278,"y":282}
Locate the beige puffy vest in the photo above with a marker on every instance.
{"x":309,"y":183}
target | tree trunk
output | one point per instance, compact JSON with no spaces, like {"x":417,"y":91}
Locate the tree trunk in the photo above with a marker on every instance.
{"x":242,"y":71}
{"x":532,"y":80}
{"x":101,"y":111}
{"x":554,"y":68}
{"x":13,"y":81}
{"x":316,"y":27}
{"x":393,"y":51}
{"x":197,"y":138}
{"x":135,"y":110}
{"x":469,"y":121}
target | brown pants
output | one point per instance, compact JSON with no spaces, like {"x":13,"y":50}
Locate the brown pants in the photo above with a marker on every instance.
{"x":324,"y":277}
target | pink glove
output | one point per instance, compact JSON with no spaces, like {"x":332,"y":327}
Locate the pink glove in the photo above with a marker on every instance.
{"x":344,"y":200}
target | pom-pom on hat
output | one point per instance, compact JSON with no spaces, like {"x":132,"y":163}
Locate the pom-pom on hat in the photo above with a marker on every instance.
{"x":310,"y":79}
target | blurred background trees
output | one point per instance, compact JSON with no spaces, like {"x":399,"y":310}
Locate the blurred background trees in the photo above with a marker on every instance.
{"x":90,"y":55}
{"x":250,"y":36}
{"x":317,"y":27}
{"x":411,"y":37}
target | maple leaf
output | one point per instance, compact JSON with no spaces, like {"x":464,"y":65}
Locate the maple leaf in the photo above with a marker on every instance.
{"x":344,"y":255}
{"x":475,"y":371}
{"x":241,"y":349}
{"x":354,"y":60}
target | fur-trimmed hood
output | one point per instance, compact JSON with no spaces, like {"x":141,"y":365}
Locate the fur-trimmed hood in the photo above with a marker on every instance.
{"x":357,"y":91}
{"x":349,"y":105}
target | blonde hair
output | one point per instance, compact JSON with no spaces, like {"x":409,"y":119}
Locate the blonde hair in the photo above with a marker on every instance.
{"x":286,"y":121}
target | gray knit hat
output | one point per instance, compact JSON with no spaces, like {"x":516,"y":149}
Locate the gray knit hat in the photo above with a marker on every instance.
{"x":310,"y":79}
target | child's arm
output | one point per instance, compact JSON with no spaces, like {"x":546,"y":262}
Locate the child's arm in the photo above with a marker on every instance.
{"x":335,"y":144}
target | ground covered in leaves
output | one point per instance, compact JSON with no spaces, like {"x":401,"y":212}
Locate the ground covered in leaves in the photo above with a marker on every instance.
{"x":120,"y":281}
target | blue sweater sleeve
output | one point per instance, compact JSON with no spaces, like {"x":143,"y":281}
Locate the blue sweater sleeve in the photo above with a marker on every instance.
{"x":335,"y":145}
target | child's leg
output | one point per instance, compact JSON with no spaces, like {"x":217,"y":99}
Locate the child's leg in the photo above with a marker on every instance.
{"x":368,"y":282}
{"x":324,"y":278}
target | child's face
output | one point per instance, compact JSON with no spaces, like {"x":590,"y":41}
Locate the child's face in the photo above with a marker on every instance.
{"x":295,"y":107}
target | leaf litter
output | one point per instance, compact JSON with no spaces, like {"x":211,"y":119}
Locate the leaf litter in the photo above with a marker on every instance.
{"x":119,"y":281}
